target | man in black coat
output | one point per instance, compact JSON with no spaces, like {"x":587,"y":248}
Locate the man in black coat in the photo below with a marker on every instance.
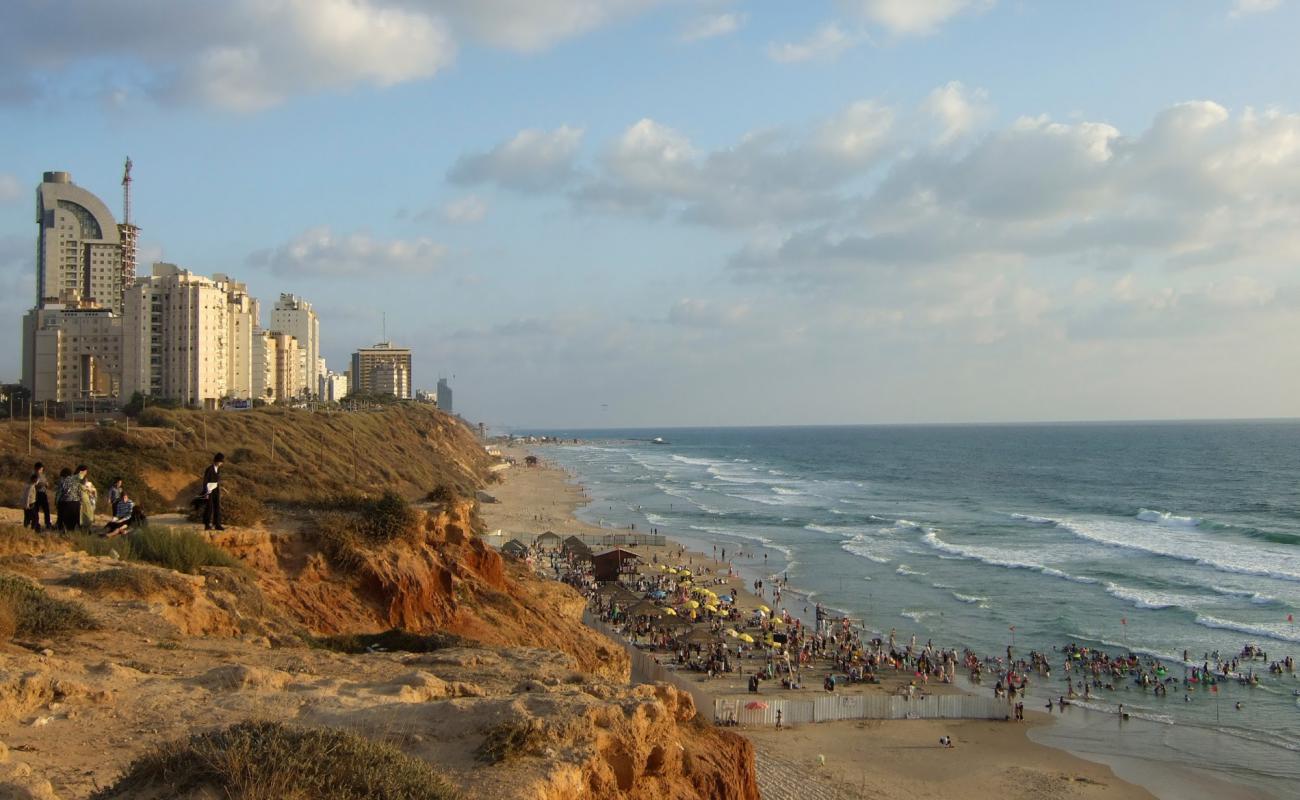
{"x":212,"y":494}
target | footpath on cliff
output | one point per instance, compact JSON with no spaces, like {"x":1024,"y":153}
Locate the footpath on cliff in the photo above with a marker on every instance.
{"x":349,"y":635}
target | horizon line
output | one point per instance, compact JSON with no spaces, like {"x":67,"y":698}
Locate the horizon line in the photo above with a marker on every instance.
{"x":973,"y":423}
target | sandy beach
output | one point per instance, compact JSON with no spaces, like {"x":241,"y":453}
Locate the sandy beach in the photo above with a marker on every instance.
{"x":844,"y":759}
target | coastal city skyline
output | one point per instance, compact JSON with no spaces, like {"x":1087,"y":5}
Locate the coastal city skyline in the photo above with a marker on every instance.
{"x":947,"y":211}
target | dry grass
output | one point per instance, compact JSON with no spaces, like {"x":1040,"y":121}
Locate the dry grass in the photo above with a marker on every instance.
{"x":271,"y":761}
{"x":26,"y":610}
{"x":130,"y":581}
{"x":408,"y":449}
{"x":511,"y":740}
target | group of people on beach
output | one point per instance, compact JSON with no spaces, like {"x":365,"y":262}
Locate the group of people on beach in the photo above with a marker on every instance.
{"x":76,"y":499}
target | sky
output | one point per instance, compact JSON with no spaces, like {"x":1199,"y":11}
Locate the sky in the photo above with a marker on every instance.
{"x":648,"y":213}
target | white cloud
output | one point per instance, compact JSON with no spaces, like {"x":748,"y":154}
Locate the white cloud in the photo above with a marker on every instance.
{"x":1244,"y":7}
{"x":957,"y":109}
{"x":246,"y":55}
{"x":827,"y":43}
{"x":914,"y":17}
{"x":321,"y":251}
{"x":465,"y":210}
{"x":693,"y":312}
{"x":768,"y":176}
{"x":533,"y":160}
{"x":10,"y":188}
{"x":530,"y":25}
{"x":711,"y":26}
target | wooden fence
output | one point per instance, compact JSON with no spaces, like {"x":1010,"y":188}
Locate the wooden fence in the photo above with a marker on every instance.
{"x":803,"y":709}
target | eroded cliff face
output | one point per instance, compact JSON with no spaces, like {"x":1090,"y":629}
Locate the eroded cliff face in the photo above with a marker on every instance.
{"x":439,"y":579}
{"x":190,"y":653}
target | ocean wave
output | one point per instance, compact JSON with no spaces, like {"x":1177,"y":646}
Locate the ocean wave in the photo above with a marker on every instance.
{"x":734,"y":533}
{"x":695,"y":462}
{"x":916,"y":616}
{"x":862,"y":546}
{"x":904,"y":569}
{"x":1145,"y":599}
{"x":1180,"y":543}
{"x":998,"y":558}
{"x":1132,"y":711}
{"x":1258,"y":598}
{"x":1279,"y":631}
{"x":786,"y":491}
{"x":1166,"y":518}
{"x":970,"y":599}
{"x":1033,"y":520}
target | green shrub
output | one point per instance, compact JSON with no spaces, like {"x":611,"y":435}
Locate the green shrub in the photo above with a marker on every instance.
{"x":181,"y":550}
{"x":29,"y":611}
{"x":394,"y":640}
{"x":272,"y":761}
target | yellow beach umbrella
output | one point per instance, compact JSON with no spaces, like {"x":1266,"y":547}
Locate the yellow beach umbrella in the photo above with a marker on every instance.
{"x":684,"y":572}
{"x":670,"y":611}
{"x":765,"y":609}
{"x":692,"y":604}
{"x":730,"y":633}
{"x":778,"y":622}
{"x":711,"y":608}
{"x":672,"y":570}
{"x":746,"y":638}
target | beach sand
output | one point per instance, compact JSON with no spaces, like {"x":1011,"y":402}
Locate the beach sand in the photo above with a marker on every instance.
{"x":869,"y":758}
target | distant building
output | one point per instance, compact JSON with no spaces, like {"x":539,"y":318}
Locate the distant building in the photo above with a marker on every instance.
{"x":79,"y":250}
{"x":72,"y":353}
{"x":333,"y":387}
{"x":444,"y":396}
{"x":187,"y":337}
{"x":277,"y":368}
{"x":381,"y":369}
{"x":295,"y":316}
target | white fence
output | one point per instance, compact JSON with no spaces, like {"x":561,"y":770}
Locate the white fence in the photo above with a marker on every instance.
{"x":804,"y":709}
{"x":832,"y":707}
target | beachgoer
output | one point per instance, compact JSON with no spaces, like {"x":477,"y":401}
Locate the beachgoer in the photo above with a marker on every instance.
{"x":212,"y":494}
{"x":778,"y":718}
{"x":42,"y":494}
{"x":89,"y":499}
{"x":30,"y":519}
{"x":67,"y":498}
{"x":123,"y":512}
{"x":115,"y":491}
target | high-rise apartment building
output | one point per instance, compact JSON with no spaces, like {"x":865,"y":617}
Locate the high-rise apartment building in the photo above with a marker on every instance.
{"x":188,"y":337}
{"x":444,"y":395}
{"x":382,"y":369}
{"x":72,"y":354}
{"x":333,"y":386}
{"x":295,"y":316}
{"x":79,"y":247}
{"x":276,"y":372}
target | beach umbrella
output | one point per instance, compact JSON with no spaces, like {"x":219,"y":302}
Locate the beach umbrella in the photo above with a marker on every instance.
{"x":671,"y":570}
{"x":726,"y":598}
{"x":670,"y":612}
{"x":746,"y":638}
{"x":756,"y":705}
{"x":731,"y":633}
{"x":692,"y":604}
{"x":658,"y":594}
{"x":685,"y":572}
{"x":778,"y":622}
{"x":765,"y":609}
{"x":711,"y":608}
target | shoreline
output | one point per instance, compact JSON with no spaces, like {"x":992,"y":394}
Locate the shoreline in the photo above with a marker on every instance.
{"x":991,"y":758}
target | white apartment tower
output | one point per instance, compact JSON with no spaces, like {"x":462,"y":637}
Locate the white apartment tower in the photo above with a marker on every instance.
{"x":188,"y":337}
{"x":79,"y":247}
{"x":72,"y":354}
{"x":295,"y":316}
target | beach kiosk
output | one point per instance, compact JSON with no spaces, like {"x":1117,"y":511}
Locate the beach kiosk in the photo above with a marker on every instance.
{"x":608,"y":565}
{"x":515,"y":548}
{"x":547,"y":541}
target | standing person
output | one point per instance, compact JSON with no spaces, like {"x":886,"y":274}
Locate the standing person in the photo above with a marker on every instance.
{"x":89,"y":500}
{"x":212,"y":494}
{"x":68,"y":498}
{"x":115,"y":492}
{"x":42,"y":494}
{"x":29,"y":505}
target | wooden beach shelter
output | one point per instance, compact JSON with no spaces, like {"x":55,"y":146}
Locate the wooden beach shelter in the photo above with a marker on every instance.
{"x":608,"y":565}
{"x":515,"y":548}
{"x":701,"y":635}
{"x":645,"y":608}
{"x":547,"y":541}
{"x":577,"y":547}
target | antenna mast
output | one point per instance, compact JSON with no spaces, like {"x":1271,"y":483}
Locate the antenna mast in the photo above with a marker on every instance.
{"x":128,"y":233}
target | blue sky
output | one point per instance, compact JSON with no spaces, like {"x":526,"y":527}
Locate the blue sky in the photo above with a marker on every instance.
{"x":665,"y":212}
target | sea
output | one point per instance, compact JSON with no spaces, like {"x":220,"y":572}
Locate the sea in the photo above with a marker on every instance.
{"x":1156,"y":538}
